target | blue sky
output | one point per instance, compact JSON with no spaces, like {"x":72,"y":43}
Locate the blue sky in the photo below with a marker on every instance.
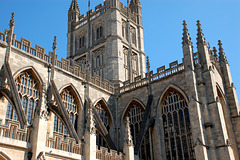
{"x":40,"y":20}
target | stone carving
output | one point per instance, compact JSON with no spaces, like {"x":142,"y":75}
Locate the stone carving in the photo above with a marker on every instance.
{"x":41,"y":156}
{"x":12,"y":21}
{"x":128,"y":136}
{"x":42,"y":113}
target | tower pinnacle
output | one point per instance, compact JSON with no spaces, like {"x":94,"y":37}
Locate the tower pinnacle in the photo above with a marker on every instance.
{"x":74,"y":6}
{"x":55,"y":43}
{"x":221,"y":53}
{"x":186,"y":39}
{"x":12,"y":21}
{"x":148,"y":64}
{"x":200,"y":35}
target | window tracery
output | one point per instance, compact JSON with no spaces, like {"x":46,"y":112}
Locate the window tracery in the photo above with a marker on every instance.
{"x":176,"y":126}
{"x":104,"y":115}
{"x":28,"y":89}
{"x":135,"y":114}
{"x":69,"y":101}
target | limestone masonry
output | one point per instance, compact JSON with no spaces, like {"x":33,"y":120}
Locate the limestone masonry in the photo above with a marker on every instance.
{"x":103,"y":101}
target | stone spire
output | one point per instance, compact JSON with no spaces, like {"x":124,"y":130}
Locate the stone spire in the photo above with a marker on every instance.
{"x":200,"y":35}
{"x":12,"y":21}
{"x":74,"y":6}
{"x":221,"y":53}
{"x":186,"y":39}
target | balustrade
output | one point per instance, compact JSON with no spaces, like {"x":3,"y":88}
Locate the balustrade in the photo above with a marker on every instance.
{"x":104,"y":154}
{"x":12,"y":130}
{"x":64,"y":143}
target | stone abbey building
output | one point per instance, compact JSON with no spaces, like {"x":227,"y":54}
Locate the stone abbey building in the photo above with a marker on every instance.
{"x":103,"y":102}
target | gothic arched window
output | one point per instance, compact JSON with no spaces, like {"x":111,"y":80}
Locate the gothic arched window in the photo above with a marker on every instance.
{"x":71,"y":105}
{"x":105,"y":117}
{"x":176,"y":127}
{"x":135,"y":114}
{"x":28,"y":89}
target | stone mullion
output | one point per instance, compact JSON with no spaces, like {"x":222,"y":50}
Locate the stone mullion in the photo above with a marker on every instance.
{"x":185,"y":126}
{"x":150,"y":142}
{"x":180,"y":132}
{"x":168,"y":138}
{"x":174,"y":131}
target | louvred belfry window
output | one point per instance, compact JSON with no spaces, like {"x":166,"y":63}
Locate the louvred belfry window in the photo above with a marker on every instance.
{"x":69,"y":102}
{"x":28,"y":89}
{"x":177,"y":128}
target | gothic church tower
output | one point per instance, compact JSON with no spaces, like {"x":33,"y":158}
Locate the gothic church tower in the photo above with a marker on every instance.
{"x":112,"y":38}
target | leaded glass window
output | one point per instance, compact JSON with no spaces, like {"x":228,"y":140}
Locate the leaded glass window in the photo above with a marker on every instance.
{"x":28,"y":89}
{"x":135,"y":114}
{"x":104,"y":115}
{"x":176,"y":127}
{"x":69,"y":101}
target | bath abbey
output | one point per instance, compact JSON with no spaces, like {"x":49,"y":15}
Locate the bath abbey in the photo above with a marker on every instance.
{"x":103,"y":102}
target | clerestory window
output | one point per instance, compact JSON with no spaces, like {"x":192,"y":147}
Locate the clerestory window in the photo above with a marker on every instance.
{"x":28,"y":89}
{"x":71,"y":106}
{"x":104,"y":115}
{"x":135,"y":114}
{"x":177,"y":128}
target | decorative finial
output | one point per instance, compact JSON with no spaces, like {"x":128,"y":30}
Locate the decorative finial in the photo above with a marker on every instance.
{"x":221,"y":53}
{"x":55,"y":43}
{"x":128,"y":136}
{"x":89,"y":5}
{"x":186,"y":39}
{"x":220,"y":45}
{"x":12,"y":21}
{"x":91,"y":122}
{"x":215,"y":52}
{"x":148,"y":64}
{"x":200,"y":35}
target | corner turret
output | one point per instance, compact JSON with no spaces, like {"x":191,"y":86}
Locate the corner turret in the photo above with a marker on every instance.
{"x":73,"y":13}
{"x":136,"y":8}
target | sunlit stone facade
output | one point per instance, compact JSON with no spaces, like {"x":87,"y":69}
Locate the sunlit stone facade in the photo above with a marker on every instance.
{"x":103,"y":102}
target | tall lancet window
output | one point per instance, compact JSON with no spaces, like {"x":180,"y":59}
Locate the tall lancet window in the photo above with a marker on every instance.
{"x":135,"y":113}
{"x":176,"y":126}
{"x":69,"y":102}
{"x":105,"y":117}
{"x":28,"y":89}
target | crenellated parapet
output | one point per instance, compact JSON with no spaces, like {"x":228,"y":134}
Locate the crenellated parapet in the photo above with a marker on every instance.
{"x":24,"y":46}
{"x":162,"y":73}
{"x":101,"y":9}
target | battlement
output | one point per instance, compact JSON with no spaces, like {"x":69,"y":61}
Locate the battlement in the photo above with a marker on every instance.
{"x":101,"y":9}
{"x":162,"y":73}
{"x":39,"y":53}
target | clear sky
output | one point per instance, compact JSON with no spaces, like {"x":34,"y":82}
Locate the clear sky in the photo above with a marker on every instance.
{"x":40,"y":20}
